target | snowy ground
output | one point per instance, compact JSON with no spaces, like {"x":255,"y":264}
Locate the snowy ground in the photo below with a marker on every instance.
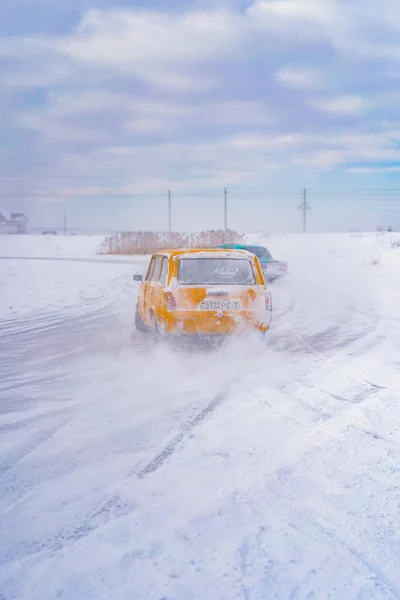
{"x":251,"y":472}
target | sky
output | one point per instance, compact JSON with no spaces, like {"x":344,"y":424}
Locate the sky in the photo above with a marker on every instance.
{"x":106,"y":105}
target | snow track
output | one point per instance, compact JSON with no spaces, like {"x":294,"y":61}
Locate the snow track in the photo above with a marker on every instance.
{"x":254,"y":471}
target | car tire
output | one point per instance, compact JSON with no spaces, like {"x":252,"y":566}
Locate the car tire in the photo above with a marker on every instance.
{"x":140,"y":326}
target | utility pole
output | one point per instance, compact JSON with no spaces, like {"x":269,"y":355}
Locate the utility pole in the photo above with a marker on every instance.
{"x":65,"y":222}
{"x":169,"y":212}
{"x":304,"y":207}
{"x":225,"y":209}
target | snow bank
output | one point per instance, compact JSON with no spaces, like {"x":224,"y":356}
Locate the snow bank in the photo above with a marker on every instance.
{"x":364,"y":265}
{"x":49,"y":246}
{"x":42,"y":274}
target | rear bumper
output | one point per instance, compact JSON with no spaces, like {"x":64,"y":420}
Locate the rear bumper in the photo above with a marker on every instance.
{"x":224,"y":325}
{"x":273,"y":272}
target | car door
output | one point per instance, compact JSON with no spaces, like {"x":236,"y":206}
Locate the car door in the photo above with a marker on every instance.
{"x":143,"y":291}
{"x":159,"y":290}
{"x":152,"y":286}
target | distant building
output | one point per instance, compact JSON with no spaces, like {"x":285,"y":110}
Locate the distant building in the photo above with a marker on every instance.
{"x":12,"y":223}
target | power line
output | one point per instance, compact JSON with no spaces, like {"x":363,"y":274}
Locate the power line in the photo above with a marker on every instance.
{"x":358,"y":190}
{"x":88,"y":193}
{"x":31,"y":188}
{"x":264,"y":194}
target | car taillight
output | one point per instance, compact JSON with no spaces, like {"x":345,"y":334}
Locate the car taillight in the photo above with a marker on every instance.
{"x":268,"y":301}
{"x":170,"y":301}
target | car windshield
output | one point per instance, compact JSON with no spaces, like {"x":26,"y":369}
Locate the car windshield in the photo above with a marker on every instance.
{"x":215,"y":271}
{"x":260,"y":252}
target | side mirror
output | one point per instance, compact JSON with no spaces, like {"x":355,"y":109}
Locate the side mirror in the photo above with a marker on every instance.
{"x":138,"y":278}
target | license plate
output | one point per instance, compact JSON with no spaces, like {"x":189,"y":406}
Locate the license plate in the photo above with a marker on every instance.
{"x":219,"y":305}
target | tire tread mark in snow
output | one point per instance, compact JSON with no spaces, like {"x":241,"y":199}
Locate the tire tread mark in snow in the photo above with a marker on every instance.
{"x":160,"y":459}
{"x":334,"y":539}
{"x":329,"y":359}
{"x":114,"y":503}
{"x":15,"y":425}
{"x":39,"y":439}
{"x":320,"y":532}
{"x":362,"y":396}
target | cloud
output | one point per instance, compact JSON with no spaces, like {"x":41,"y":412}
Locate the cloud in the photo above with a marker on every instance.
{"x":99,"y":115}
{"x":152,"y":45}
{"x":314,"y":11}
{"x":300,"y":78}
{"x":307,"y":19}
{"x":361,"y":29}
{"x":366,"y":170}
{"x":342,"y":105}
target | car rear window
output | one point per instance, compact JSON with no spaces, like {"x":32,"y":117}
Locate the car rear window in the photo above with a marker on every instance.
{"x":216,"y":271}
{"x":260,"y":252}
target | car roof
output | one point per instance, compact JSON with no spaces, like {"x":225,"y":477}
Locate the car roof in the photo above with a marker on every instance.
{"x":221,"y":252}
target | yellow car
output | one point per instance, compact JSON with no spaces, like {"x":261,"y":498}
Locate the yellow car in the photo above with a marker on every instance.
{"x":206,"y":292}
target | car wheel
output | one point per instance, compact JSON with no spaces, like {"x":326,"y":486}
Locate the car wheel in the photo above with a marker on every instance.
{"x":140,"y":326}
